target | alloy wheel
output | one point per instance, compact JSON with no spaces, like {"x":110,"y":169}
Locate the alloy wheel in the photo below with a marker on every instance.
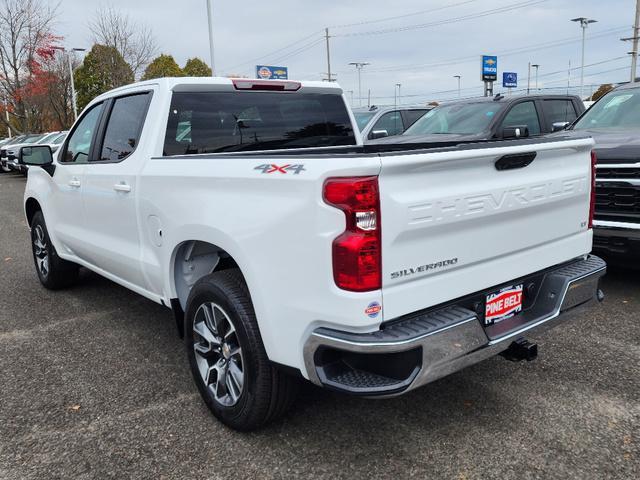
{"x":218,"y":353}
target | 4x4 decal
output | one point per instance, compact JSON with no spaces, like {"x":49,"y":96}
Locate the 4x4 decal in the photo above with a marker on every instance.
{"x":272,"y":168}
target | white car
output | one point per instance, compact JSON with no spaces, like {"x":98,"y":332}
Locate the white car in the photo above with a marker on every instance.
{"x":288,"y":250}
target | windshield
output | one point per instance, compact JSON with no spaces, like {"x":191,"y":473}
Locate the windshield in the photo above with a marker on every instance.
{"x":458,"y":118}
{"x":618,"y":109}
{"x":362,"y":118}
{"x":59,"y":139}
{"x":47,"y":138}
{"x":31,"y":138}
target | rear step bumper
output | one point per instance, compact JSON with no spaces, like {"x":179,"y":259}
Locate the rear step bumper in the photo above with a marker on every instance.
{"x":432,"y":344}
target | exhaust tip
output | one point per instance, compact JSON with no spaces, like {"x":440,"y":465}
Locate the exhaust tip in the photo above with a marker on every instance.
{"x":600,"y":295}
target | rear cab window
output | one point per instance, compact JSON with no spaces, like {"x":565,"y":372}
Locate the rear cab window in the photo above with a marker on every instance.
{"x":216,"y":122}
{"x":559,"y":110}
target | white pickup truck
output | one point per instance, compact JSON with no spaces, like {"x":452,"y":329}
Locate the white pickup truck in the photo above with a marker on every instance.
{"x":288,"y":249}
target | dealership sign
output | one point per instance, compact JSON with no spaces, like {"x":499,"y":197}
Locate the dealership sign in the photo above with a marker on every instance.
{"x":269,"y":72}
{"x":489,"y":68}
{"x":509,"y":80}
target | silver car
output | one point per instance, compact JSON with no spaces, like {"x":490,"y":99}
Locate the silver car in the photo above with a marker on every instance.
{"x":378,"y":122}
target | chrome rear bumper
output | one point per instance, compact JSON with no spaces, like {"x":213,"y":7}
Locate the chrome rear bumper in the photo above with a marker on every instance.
{"x":429,"y":345}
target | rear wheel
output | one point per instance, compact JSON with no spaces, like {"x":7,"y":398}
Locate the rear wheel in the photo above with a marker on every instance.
{"x":227,"y":357}
{"x":54,"y":273}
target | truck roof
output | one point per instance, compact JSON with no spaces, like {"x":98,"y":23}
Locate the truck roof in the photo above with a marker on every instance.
{"x":217,"y":83}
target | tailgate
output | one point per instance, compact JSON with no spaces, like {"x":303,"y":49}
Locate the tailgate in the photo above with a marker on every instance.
{"x":453,"y":223}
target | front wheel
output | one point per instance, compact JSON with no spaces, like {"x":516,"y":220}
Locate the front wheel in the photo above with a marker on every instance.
{"x":54,"y":273}
{"x":227,"y":357}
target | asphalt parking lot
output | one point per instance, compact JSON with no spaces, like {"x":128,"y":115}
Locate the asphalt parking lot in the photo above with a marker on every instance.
{"x":94,"y":384}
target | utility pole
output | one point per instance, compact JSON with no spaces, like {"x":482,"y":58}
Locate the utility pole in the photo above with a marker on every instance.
{"x":584,"y":23}
{"x":529,"y":79}
{"x":359,"y":66}
{"x":326,"y":36}
{"x":399,"y":85}
{"x":458,"y":77}
{"x":634,"y":39}
{"x":210,"y":19}
{"x":536,"y":66}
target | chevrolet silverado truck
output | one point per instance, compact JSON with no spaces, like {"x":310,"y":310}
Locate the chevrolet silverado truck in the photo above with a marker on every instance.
{"x":287,"y":249}
{"x":614,"y":123}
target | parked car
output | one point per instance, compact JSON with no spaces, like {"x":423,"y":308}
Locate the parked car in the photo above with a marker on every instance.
{"x":614,"y":123}
{"x":4,"y":163}
{"x":487,"y":118}
{"x":8,"y":151}
{"x":53,"y":140}
{"x":262,"y":229}
{"x":379,"y":122}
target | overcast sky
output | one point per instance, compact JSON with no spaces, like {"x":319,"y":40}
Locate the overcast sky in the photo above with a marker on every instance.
{"x":420,"y":44}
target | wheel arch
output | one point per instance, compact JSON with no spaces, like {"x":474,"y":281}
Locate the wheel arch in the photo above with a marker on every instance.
{"x":190,"y":261}
{"x":31,"y":207}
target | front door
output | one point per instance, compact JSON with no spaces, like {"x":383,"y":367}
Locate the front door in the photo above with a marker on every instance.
{"x":66,"y":215}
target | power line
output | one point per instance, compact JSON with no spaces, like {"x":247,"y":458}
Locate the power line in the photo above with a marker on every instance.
{"x":266,"y":55}
{"x":484,"y":13}
{"x":299,"y":50}
{"x":413,"y":14}
{"x":516,"y":51}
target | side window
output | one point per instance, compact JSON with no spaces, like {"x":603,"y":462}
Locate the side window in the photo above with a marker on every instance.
{"x":124,"y":127}
{"x":81,"y":136}
{"x":391,"y":122}
{"x":524,"y":113}
{"x":412,"y":116}
{"x":559,"y":111}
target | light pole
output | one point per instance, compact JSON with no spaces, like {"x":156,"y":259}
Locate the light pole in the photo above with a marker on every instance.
{"x":359,"y":66}
{"x":73,"y":86}
{"x":210,"y":23}
{"x":584,"y":23}
{"x":399,"y":85}
{"x":536,"y":66}
{"x":458,"y":77}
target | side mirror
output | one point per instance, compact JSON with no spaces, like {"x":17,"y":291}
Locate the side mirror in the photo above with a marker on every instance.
{"x":557,"y":126}
{"x":518,"y":131}
{"x":37,"y":156}
{"x":378,"y":134}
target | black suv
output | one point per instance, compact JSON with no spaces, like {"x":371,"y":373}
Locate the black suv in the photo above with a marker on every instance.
{"x":488,"y":118}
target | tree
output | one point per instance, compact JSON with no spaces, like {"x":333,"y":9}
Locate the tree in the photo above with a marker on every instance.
{"x":602,"y":89}
{"x":103,"y":69}
{"x":162,"y":66}
{"x":133,"y":40}
{"x":25,"y":38}
{"x":196,"y":68}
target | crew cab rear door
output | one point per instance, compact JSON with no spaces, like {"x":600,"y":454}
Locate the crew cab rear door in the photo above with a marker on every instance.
{"x":461,"y":220}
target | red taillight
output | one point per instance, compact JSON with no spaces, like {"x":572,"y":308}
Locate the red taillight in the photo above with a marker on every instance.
{"x":356,"y":252}
{"x":592,"y":205}
{"x":241,"y":84}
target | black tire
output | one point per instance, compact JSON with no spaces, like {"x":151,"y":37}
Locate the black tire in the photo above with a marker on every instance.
{"x":267,"y":393}
{"x":58,"y":273}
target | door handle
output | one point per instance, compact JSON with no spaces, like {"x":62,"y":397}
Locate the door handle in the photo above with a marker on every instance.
{"x":74,"y":182}
{"x":122,"y":187}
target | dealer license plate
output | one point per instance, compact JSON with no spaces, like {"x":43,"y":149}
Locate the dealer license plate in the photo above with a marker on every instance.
{"x":503,"y":304}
